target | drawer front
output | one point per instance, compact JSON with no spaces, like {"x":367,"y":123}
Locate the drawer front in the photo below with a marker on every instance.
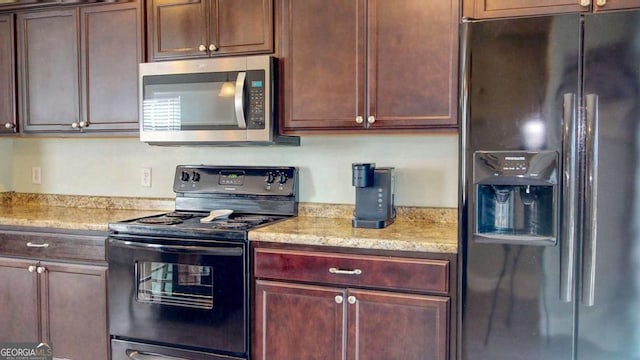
{"x":422,"y":275}
{"x":52,"y":246}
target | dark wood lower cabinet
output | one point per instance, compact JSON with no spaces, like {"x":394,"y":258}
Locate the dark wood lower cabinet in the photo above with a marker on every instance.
{"x":46,"y":297}
{"x":299,"y":322}
{"x":74,"y":310}
{"x":311,"y":310}
{"x":59,"y":303}
{"x":308,"y":322}
{"x":388,"y":325}
{"x":19,"y":299}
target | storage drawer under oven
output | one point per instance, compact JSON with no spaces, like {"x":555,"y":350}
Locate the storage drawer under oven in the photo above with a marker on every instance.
{"x":420,"y":275}
{"x":128,"y":350}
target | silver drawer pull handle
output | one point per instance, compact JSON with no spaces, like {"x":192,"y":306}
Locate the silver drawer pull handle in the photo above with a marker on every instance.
{"x":345,"y":272}
{"x":34,"y":245}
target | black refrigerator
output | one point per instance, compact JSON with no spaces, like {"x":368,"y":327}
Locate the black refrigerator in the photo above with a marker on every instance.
{"x":550,"y":188}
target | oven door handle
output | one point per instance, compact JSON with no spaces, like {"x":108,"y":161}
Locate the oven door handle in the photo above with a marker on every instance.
{"x":222,"y":251}
{"x":139,"y":355}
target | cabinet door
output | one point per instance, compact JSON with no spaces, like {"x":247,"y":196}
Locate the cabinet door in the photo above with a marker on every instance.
{"x":242,"y":26}
{"x":412,"y":63}
{"x":74,"y":308}
{"x":177,"y":28}
{"x":19,"y":312}
{"x":7,"y":76}
{"x":298,"y":322}
{"x":387,"y":325}
{"x":111,"y":50}
{"x":48,"y":53}
{"x":322,"y":54}
{"x":617,"y":5}
{"x":479,"y":9}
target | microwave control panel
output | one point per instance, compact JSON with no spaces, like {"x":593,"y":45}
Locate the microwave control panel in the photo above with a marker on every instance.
{"x":257,"y":106}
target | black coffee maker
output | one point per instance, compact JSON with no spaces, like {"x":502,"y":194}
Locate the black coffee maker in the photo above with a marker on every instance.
{"x":375,"y":193}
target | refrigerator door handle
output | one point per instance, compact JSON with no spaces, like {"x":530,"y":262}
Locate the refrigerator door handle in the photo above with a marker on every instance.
{"x":569,"y":197}
{"x":591,"y":201}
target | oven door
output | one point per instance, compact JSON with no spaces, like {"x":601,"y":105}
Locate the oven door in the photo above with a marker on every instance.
{"x":179,"y":293}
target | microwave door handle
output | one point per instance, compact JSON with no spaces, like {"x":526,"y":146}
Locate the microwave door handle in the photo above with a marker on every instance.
{"x":239,"y":100}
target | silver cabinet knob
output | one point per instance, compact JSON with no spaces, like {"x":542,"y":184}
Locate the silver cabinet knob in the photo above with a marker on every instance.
{"x":41,"y":269}
{"x":351,"y":300}
{"x":83,"y":124}
{"x":359,"y":119}
{"x":213,"y":47}
{"x":601,"y":2}
{"x":202,"y":48}
{"x":9,"y":125}
{"x":338,"y":299}
{"x":585,"y":3}
{"x":371,"y":119}
{"x":75,"y":124}
{"x":31,"y":268}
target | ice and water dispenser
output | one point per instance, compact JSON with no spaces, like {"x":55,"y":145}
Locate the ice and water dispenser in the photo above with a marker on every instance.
{"x":516,"y":197}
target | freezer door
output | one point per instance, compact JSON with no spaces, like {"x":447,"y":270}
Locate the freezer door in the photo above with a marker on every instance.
{"x":518,"y":72}
{"x":609,"y":308}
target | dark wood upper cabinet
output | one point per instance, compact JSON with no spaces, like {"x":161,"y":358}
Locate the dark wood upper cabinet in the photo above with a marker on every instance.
{"x":78,"y":68}
{"x":180,"y":29}
{"x":7,"y":76}
{"x":483,"y":9}
{"x":111,"y":51}
{"x":368,"y":64}
{"x":48,"y":65}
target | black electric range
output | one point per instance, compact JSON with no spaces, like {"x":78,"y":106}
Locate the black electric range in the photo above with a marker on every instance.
{"x":256,"y":196}
{"x":179,"y":287}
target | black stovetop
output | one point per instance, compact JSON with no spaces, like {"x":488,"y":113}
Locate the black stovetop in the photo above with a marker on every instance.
{"x":187,"y":225}
{"x":258,"y":195}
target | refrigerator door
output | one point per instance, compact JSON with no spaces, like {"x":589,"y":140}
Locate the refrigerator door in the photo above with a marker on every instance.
{"x":609,"y":306}
{"x":522,"y":75}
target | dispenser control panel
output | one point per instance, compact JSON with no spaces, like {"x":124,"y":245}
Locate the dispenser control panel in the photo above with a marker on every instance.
{"x":540,"y":165}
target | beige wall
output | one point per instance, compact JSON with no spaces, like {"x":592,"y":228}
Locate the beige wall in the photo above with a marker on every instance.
{"x":6,"y":164}
{"x":426,"y":165}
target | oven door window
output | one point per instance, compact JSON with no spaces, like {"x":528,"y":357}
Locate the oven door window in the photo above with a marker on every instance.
{"x":180,"y":285}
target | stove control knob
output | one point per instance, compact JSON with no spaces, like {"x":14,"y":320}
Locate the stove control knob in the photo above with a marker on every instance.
{"x":282,"y":178}
{"x":195,"y":176}
{"x":269,"y":178}
{"x":184,"y":176}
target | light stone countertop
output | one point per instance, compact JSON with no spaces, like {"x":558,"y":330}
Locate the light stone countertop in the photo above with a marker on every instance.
{"x":67,"y":218}
{"x":75,"y":212}
{"x":402,"y":235}
{"x":415,"y":229}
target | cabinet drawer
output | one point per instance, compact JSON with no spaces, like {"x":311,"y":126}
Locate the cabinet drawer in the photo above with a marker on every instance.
{"x":39,"y":245}
{"x":353,"y":270}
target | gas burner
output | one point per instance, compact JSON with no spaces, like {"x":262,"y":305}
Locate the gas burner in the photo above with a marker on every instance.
{"x":162,"y":220}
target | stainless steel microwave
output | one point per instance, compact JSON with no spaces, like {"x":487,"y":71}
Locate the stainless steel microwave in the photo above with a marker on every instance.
{"x":220,"y":101}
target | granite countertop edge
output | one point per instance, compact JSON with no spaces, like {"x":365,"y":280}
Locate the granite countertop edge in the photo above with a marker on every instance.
{"x":416,"y":229}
